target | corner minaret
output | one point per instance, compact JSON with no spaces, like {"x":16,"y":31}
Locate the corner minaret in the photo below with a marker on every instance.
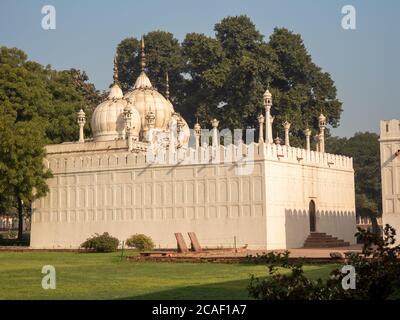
{"x":166,"y":86}
{"x":268,"y":105}
{"x":307,"y":133}
{"x":322,"y":126}
{"x":215,"y":124}
{"x":197,"y":132}
{"x":261,"y":120}
{"x":286,"y":126}
{"x":81,"y":122}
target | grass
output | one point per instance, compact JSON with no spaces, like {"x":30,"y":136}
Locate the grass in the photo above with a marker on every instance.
{"x":106,"y":276}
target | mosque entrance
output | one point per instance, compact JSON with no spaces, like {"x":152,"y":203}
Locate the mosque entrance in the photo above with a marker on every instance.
{"x":313,"y":218}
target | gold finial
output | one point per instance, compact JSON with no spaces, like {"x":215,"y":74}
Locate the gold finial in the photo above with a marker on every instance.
{"x":167,"y":86}
{"x":142,"y":55}
{"x":115,"y":75}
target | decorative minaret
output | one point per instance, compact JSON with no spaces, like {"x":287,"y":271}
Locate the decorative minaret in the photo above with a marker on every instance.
{"x":197,"y":133}
{"x":286,"y":126}
{"x":115,"y":70}
{"x":268,"y":105}
{"x":317,"y":139}
{"x":322,"y":126}
{"x":179,"y":126}
{"x":277,"y":140}
{"x":307,"y":132}
{"x":261,"y":119}
{"x":167,"y":87}
{"x":142,"y":56}
{"x":81,"y":122}
{"x":215,"y":124}
{"x":128,"y":125}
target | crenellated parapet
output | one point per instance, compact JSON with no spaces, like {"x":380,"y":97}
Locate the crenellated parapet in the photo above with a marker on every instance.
{"x":239,"y":155}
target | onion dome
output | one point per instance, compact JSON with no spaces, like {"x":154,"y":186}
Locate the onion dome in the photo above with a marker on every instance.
{"x":108,"y":121}
{"x":267,"y":94}
{"x":146,"y":99}
{"x":267,"y":98}
{"x":322,"y":120}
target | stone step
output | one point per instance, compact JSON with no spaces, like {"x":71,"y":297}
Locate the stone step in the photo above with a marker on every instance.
{"x":323,"y":240}
{"x":317,"y":233}
{"x":326,"y":245}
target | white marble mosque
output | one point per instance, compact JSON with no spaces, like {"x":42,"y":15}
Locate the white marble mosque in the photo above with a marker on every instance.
{"x":264,"y":194}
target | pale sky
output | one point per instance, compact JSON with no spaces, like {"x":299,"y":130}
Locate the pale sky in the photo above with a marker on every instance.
{"x":364,"y":63}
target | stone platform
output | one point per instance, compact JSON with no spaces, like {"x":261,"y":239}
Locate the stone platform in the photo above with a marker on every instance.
{"x":232,"y":256}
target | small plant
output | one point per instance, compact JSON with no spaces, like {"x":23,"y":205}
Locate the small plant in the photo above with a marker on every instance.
{"x":140,"y":242}
{"x":377,"y":274}
{"x":11,"y":234}
{"x":101,"y":243}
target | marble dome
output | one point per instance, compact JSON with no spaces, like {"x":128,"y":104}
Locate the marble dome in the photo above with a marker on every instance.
{"x":145,"y":98}
{"x":108,"y":118}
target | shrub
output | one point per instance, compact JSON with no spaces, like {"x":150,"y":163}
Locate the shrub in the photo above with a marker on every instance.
{"x":101,"y":243}
{"x":140,"y":242}
{"x":377,"y":274}
{"x":10,"y":240}
{"x":10,"y":234}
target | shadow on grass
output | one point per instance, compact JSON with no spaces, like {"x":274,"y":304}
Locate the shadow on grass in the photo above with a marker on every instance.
{"x":230,"y":290}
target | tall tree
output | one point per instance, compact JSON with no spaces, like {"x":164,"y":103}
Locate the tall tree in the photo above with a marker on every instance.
{"x":225,"y":76}
{"x":29,"y":90}
{"x":163,"y":55}
{"x":38,"y":105}
{"x":302,"y":89}
{"x":364,"y":148}
{"x":22,"y":172}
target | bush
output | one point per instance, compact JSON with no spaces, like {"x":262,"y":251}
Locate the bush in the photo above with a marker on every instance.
{"x":140,"y":242}
{"x":7,"y":240}
{"x":101,"y":243}
{"x":377,"y":274}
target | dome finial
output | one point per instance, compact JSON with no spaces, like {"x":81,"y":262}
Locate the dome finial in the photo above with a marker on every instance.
{"x":167,"y":86}
{"x":115,"y":69}
{"x":142,"y":55}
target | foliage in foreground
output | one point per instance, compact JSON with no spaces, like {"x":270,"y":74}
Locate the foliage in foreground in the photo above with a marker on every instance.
{"x":140,"y":242}
{"x":377,"y":274}
{"x":101,"y":243}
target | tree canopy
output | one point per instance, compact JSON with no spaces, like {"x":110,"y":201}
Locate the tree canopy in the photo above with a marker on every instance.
{"x":364,"y":148}
{"x":38,"y":105}
{"x":29,"y":90}
{"x":226,"y":75}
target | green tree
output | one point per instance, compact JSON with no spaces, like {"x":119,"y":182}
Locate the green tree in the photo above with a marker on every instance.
{"x":225,"y":76}
{"x":22,"y":172}
{"x":38,"y":105}
{"x":29,"y":90}
{"x":302,"y":89}
{"x":364,"y":148}
{"x":163,"y":55}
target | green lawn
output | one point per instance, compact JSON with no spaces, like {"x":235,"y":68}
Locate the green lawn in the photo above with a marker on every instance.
{"x":105,"y":276}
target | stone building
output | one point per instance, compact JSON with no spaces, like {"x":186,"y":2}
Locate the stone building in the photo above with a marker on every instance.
{"x":390,"y":166}
{"x":146,"y":172}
